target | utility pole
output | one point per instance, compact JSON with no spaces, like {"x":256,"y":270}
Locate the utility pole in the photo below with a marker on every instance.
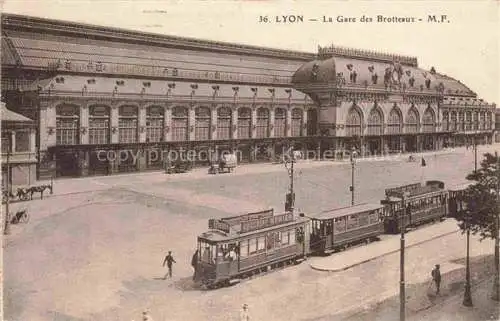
{"x":496,"y":282}
{"x":467,"y":295}
{"x":402,"y":295}
{"x":353,"y":162}
{"x":475,"y":154}
{"x":6,"y":230}
{"x":290,"y":196}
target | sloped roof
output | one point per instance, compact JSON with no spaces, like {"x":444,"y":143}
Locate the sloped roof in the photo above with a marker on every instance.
{"x":10,"y":116}
{"x":343,"y":211}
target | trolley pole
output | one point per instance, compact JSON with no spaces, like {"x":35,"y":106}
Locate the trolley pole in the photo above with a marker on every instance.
{"x":6,"y":230}
{"x":496,"y":282}
{"x":353,"y":163}
{"x":402,"y":295}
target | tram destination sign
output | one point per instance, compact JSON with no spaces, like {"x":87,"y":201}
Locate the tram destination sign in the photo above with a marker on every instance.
{"x":235,"y":220}
{"x":261,"y":223}
{"x":396,"y":191}
{"x":215,"y":224}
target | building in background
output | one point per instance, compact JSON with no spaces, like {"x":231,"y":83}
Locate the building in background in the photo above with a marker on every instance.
{"x":18,"y":148}
{"x":132,"y":94}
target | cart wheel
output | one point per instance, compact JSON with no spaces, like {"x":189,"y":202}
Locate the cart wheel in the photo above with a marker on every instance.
{"x":25,"y":217}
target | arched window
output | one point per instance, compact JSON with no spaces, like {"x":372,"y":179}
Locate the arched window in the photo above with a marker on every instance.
{"x":461,"y":121}
{"x":312,"y":121}
{"x":127,"y":124}
{"x":244,"y":122}
{"x":67,"y":124}
{"x":202,"y":123}
{"x":375,"y":122}
{"x":488,"y":121}
{"x":99,"y":124}
{"x":179,"y":123}
{"x":224,"y":123}
{"x":155,"y":117}
{"x":475,"y":121}
{"x":468,"y":120}
{"x":482,"y":120}
{"x":353,"y":124}
{"x":446,"y":122}
{"x":280,"y":122}
{"x":262,"y":123}
{"x":412,"y":121}
{"x":453,"y":121}
{"x":297,"y":119}
{"x":395,"y":121}
{"x":429,"y":121}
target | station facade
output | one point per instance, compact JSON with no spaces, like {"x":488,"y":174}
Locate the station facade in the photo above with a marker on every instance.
{"x":109,"y":100}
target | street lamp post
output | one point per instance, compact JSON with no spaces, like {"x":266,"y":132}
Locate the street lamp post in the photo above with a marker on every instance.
{"x":467,"y":295}
{"x":353,"y":162}
{"x":6,"y":230}
{"x":496,"y":281}
{"x":402,"y":295}
{"x":290,"y":197}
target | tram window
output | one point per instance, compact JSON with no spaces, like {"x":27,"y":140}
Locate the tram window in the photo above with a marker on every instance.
{"x":261,"y":244}
{"x":207,"y":253}
{"x":363,"y":219}
{"x":285,"y":237}
{"x":340,"y":224}
{"x":352,"y":222}
{"x":244,"y":248}
{"x":374,"y":217}
{"x":252,"y":245}
{"x":291,"y":237}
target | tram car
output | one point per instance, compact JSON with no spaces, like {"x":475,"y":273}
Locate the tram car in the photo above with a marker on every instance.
{"x":337,"y":229}
{"x":241,"y":246}
{"x":456,"y":205}
{"x":422,"y":204}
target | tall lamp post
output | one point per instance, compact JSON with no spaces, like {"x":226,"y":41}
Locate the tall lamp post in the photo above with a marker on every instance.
{"x":353,"y":162}
{"x":467,"y":295}
{"x":402,"y":295}
{"x":290,"y":196}
{"x":496,"y":281}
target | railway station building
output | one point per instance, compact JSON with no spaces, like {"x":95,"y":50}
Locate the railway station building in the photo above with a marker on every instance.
{"x":97,"y":91}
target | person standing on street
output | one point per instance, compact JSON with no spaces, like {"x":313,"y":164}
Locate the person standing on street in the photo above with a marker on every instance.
{"x":169,"y":259}
{"x":436,"y":277}
{"x":194,"y":263}
{"x":244,"y":316}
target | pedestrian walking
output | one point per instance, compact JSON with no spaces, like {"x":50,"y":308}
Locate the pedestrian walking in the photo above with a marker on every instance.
{"x":194,"y":263}
{"x":169,"y":259}
{"x":244,"y":315}
{"x":436,"y":277}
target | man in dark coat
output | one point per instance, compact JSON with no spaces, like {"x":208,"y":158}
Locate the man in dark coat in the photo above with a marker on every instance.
{"x":169,"y":259}
{"x":194,"y":263}
{"x":436,"y":277}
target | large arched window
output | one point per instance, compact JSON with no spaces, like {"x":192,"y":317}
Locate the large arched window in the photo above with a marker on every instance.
{"x":354,"y":122}
{"x":67,"y":124}
{"x":453,"y":121}
{"x":244,"y":122}
{"x":475,"y":121}
{"x":280,"y":122}
{"x":99,"y":124}
{"x":155,"y":117}
{"x":262,"y":126}
{"x":297,"y":120}
{"x":180,"y":120}
{"x":375,"y":121}
{"x":202,"y":123}
{"x":461,"y":121}
{"x":429,"y":121}
{"x":446,"y":121}
{"x":395,"y":121}
{"x":482,"y":119}
{"x":224,"y":119}
{"x":127,"y":124}
{"x":489,"y":125}
{"x":468,"y":120}
{"x":412,"y":121}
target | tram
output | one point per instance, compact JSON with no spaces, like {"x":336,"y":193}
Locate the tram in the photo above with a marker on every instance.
{"x":422,"y":204}
{"x":337,"y":229}
{"x":241,"y":246}
{"x":456,"y":205}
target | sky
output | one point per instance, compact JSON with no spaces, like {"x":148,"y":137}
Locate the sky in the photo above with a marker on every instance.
{"x":465,"y":45}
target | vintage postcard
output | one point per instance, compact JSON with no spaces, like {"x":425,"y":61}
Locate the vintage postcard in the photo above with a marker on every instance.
{"x":250,"y":160}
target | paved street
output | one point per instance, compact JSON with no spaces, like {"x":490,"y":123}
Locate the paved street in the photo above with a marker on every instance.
{"x":93,"y":250}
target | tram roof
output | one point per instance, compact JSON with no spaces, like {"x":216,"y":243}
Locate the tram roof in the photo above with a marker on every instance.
{"x":343,"y":211}
{"x":460,"y":187}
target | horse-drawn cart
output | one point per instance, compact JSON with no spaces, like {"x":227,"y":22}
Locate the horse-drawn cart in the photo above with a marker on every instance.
{"x":226,"y":164}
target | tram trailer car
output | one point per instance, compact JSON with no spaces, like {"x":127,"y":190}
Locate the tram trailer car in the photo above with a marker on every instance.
{"x":423,"y":204}
{"x":455,"y":203}
{"x":242,"y":246}
{"x":337,"y":229}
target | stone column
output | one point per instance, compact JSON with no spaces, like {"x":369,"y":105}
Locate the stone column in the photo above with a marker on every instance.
{"x":167,"y":123}
{"x":84,"y":124}
{"x":304,"y":123}
{"x":114,"y":124}
{"x":288,"y":132}
{"x":13,"y":141}
{"x":271,"y":122}
{"x":254,"y":122}
{"x":142,"y":123}
{"x":192,"y":122}
{"x":84,"y":163}
{"x":234,"y":123}
{"x":213,"y":123}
